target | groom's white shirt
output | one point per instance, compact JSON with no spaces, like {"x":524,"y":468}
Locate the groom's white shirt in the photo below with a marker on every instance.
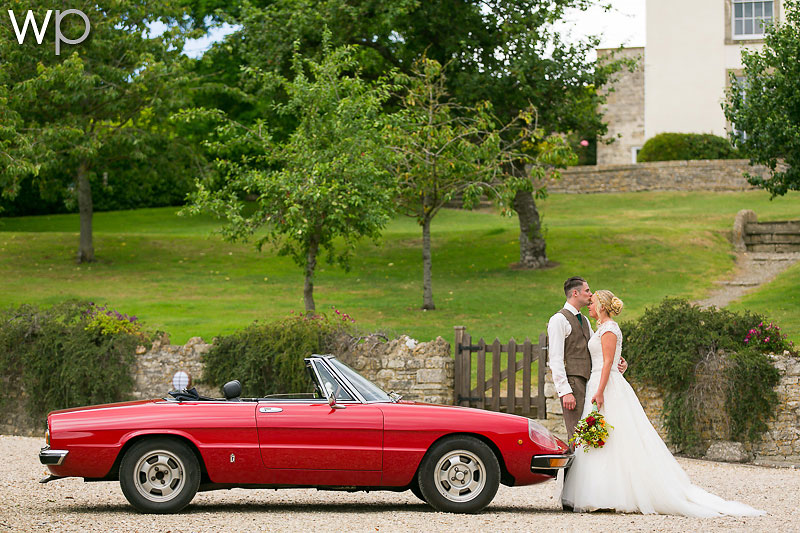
{"x":558,"y":329}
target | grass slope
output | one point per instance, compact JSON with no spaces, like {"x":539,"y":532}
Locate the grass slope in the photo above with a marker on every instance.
{"x":177,"y":276}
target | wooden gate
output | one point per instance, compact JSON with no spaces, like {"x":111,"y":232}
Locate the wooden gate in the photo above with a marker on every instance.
{"x":506,"y":393}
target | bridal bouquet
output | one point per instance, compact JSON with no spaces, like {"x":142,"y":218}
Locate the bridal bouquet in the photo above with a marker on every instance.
{"x":592,"y":430}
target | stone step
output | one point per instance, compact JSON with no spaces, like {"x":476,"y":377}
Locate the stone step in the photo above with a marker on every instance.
{"x":772,"y":238}
{"x":774,"y":248}
{"x":784,"y":226}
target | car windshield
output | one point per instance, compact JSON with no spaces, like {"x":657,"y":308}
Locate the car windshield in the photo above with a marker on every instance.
{"x":370,"y":391}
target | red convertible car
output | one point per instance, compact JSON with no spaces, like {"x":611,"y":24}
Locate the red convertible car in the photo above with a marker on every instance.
{"x":346,"y":435}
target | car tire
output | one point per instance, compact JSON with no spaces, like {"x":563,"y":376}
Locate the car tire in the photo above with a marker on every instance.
{"x":414,"y":488}
{"x":459,"y":475}
{"x":159,"y":475}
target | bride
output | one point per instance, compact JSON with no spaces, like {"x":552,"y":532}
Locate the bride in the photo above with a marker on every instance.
{"x":633,"y":472}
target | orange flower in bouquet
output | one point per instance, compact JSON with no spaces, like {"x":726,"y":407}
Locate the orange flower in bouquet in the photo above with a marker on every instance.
{"x":591,"y":431}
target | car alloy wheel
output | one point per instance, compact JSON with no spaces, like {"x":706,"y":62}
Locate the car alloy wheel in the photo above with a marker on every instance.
{"x":159,"y":475}
{"x":459,"y":474}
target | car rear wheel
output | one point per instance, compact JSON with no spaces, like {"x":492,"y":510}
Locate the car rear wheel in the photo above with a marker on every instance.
{"x":459,"y":475}
{"x":159,"y":475}
{"x":414,"y":488}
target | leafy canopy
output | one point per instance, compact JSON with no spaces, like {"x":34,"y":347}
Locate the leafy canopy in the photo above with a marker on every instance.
{"x":764,"y":107}
{"x":328,"y":179}
{"x":99,"y":102}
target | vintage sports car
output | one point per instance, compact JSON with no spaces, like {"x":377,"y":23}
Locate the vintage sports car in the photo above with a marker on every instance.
{"x":346,"y":435}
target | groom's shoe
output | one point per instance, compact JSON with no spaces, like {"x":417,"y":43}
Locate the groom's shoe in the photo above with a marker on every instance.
{"x":567,"y":507}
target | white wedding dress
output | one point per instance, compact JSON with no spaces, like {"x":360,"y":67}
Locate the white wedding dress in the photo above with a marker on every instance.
{"x":634,"y":472}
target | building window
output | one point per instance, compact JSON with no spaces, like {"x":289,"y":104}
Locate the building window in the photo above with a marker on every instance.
{"x":740,"y":134}
{"x":635,"y":153}
{"x":750,"y":18}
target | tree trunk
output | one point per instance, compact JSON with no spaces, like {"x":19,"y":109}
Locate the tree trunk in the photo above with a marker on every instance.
{"x":311,"y":264}
{"x":427,"y":284}
{"x":532,"y":252}
{"x":85,"y":246}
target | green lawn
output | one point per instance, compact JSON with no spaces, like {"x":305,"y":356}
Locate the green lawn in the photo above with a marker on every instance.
{"x":177,"y":276}
{"x":779,"y":300}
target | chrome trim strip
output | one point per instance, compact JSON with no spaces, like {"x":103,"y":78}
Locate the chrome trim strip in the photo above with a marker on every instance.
{"x":52,"y":457}
{"x":543,"y":461}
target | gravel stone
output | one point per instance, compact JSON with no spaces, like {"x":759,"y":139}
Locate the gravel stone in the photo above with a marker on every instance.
{"x":73,"y":505}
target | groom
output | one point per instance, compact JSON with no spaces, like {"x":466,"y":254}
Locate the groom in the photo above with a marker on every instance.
{"x":568,"y":333}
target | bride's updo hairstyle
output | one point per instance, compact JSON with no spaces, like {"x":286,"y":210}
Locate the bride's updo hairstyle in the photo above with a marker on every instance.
{"x":609,"y":302}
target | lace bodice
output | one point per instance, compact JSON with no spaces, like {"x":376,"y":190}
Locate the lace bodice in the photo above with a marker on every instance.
{"x":596,"y":348}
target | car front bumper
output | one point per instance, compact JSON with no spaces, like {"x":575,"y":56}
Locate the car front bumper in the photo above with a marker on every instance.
{"x":551,"y":462}
{"x":52,"y":457}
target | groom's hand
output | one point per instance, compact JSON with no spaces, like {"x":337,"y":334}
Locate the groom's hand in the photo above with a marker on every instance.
{"x":623,"y":365}
{"x":568,"y":401}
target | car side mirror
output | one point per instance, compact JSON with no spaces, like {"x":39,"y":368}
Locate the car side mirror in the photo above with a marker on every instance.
{"x":333,"y":404}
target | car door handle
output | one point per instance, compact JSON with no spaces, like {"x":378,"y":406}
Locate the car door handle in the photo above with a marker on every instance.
{"x":269,"y":409}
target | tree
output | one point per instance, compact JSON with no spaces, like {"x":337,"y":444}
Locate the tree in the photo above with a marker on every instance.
{"x":99,"y":101}
{"x":764,"y":107}
{"x":15,"y":149}
{"x":506,"y":52}
{"x":447,"y":150}
{"x":327,"y":180}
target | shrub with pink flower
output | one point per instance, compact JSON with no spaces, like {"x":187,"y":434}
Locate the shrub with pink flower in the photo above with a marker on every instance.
{"x":767,"y":338}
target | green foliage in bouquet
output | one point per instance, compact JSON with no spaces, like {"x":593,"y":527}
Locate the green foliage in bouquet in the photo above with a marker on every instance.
{"x":591,"y":431}
{"x":665,"y":346}
{"x":268,"y":358}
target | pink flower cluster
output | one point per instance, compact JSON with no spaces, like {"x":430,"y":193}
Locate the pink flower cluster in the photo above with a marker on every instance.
{"x":767,"y":337}
{"x":313,"y":316}
{"x":344,"y":316}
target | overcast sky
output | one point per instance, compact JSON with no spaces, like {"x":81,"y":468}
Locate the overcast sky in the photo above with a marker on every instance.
{"x":622,"y":25}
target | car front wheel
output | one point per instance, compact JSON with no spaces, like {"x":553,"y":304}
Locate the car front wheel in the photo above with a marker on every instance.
{"x":459,"y":475}
{"x":159,"y":475}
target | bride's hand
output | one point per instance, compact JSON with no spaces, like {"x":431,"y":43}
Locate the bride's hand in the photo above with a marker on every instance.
{"x":598,"y":399}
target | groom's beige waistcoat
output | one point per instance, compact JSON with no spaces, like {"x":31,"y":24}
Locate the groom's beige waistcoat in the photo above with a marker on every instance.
{"x":577,"y":360}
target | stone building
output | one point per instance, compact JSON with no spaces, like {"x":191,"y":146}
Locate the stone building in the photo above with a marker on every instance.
{"x":692,"y":50}
{"x":623,"y":111}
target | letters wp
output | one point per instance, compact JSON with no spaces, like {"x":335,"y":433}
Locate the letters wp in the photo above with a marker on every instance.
{"x":39,"y":32}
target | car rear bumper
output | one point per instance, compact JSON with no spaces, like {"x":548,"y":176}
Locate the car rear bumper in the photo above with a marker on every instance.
{"x":52,"y":457}
{"x":551,"y":462}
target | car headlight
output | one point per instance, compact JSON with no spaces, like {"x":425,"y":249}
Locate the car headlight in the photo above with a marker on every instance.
{"x":541,"y":435}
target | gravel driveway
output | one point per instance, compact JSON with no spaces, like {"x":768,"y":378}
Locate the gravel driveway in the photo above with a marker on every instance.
{"x":72,"y":505}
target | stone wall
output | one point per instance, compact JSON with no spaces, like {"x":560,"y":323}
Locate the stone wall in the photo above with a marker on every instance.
{"x":418,"y":371}
{"x":623,"y":110}
{"x":704,"y":175}
{"x":749,"y":235}
{"x":779,"y":444}
{"x":155,"y":367}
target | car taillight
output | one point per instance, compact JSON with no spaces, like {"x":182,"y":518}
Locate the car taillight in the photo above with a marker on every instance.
{"x":541,"y":435}
{"x":47,"y":436}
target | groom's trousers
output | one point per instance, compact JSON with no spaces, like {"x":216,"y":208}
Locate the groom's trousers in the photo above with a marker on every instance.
{"x":572,"y":416}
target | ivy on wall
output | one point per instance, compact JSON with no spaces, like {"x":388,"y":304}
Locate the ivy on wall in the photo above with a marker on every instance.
{"x":669,"y":342}
{"x":71,"y":354}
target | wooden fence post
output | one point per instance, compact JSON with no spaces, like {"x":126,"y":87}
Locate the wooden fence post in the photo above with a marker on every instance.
{"x":541,"y":401}
{"x":458,"y":391}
